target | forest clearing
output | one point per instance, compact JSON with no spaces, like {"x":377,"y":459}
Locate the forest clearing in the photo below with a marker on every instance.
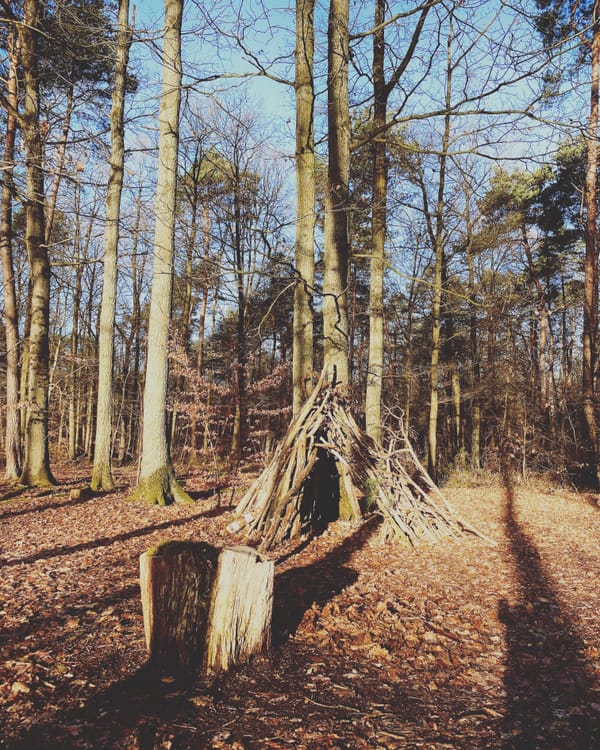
{"x":358,"y":241}
{"x":457,"y":644}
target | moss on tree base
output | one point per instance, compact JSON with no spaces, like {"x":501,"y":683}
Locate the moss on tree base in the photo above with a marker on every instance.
{"x":102,"y":479}
{"x":30,"y":478}
{"x":160,"y":488}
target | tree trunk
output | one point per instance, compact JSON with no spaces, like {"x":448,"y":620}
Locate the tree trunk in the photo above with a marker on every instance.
{"x":204,"y":302}
{"x":102,"y":472}
{"x":74,"y":369}
{"x":36,"y":465}
{"x":157,"y":483}
{"x":436,"y":310}
{"x":202,"y":327}
{"x":239,"y":374}
{"x":131,"y":398}
{"x":381,"y":93}
{"x":305,"y":204}
{"x":12,"y":435}
{"x":204,"y":609}
{"x":337,"y":243}
{"x":590,"y":284}
{"x":475,"y":373}
{"x":373,"y":425}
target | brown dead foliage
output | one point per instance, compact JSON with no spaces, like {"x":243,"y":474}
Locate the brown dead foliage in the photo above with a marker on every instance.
{"x":452,"y":645}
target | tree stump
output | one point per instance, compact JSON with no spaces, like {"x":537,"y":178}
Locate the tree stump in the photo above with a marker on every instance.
{"x":205,"y":609}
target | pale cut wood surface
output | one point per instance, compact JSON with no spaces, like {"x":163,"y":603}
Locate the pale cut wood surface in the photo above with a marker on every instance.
{"x":241,"y":610}
{"x":205,"y":609}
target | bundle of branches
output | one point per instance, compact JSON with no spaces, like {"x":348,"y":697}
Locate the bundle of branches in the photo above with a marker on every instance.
{"x":327,"y":468}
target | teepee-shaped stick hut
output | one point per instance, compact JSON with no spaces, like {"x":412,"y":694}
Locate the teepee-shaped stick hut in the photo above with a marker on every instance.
{"x":326,"y":468}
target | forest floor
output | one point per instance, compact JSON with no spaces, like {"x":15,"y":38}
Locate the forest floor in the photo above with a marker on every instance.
{"x":454,"y":645}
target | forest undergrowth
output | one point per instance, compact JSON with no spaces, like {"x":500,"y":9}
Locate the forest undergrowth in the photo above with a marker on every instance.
{"x":454,"y":645}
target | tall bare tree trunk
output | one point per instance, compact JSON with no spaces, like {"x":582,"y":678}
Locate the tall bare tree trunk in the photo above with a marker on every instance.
{"x":590,"y":284}
{"x":204,"y":288}
{"x":381,"y":93}
{"x":12,"y":435}
{"x":305,"y":203}
{"x":240,"y":375}
{"x":202,"y":322}
{"x":436,"y":310}
{"x":157,"y":483}
{"x":337,"y":203}
{"x":475,"y":373}
{"x":102,"y":472}
{"x":36,"y":465}
{"x":74,"y":385}
{"x":373,"y":422}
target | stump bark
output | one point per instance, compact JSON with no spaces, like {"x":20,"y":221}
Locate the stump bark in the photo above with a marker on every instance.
{"x":205,"y":609}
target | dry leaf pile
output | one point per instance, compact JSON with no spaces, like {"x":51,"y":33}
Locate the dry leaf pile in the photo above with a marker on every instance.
{"x":452,"y":645}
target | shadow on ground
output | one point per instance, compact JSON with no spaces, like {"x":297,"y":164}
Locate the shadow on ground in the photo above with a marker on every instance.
{"x":297,"y":589}
{"x":106,"y":541}
{"x":550,"y":701}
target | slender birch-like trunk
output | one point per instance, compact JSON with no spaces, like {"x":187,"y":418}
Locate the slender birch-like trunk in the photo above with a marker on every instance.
{"x":436,"y":309}
{"x":373,"y":423}
{"x":381,"y":93}
{"x":102,"y":472}
{"x":74,"y":422}
{"x":157,"y":483}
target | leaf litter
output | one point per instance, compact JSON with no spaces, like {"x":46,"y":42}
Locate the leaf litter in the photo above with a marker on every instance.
{"x":452,"y":645}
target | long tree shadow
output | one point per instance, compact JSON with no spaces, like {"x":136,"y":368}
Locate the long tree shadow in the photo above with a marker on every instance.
{"x":105,"y":541}
{"x":56,"y":504}
{"x":548,"y":681}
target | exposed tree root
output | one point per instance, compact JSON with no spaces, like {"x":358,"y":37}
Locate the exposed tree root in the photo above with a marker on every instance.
{"x":160,"y":488}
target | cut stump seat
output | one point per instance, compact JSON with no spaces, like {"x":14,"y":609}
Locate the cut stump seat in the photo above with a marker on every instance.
{"x":205,"y":609}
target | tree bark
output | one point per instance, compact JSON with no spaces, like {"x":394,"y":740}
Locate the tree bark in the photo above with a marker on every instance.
{"x":74,"y":423}
{"x":305,"y":204}
{"x":239,"y":373}
{"x":436,"y":308}
{"x":12,"y":435}
{"x":102,"y":472}
{"x":36,"y":465}
{"x":157,"y":483}
{"x":590,"y":284}
{"x":373,"y":425}
{"x":381,"y":93}
{"x":337,"y":203}
{"x":475,"y":372}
